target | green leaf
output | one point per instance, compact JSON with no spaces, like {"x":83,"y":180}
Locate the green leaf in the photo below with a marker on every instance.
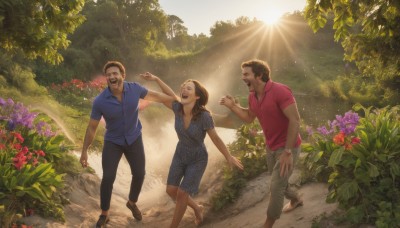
{"x":336,"y":156}
{"x":347,"y":190}
{"x":372,"y":170}
{"x":394,"y":170}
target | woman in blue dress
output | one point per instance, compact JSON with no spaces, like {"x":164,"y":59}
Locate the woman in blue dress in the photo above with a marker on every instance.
{"x":192,"y":122}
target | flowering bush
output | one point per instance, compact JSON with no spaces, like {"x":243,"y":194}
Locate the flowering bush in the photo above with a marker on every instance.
{"x":28,"y":149}
{"x":77,"y":92}
{"x":329,"y":142}
{"x":359,"y":158}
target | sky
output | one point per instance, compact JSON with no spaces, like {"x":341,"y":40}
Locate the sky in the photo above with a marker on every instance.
{"x":200,"y":15}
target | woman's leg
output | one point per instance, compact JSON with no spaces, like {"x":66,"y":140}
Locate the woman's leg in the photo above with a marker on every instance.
{"x":180,"y":208}
{"x":198,"y":209}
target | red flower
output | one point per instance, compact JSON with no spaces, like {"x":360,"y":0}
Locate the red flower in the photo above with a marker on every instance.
{"x":348,"y":146}
{"x":2,"y":146}
{"x":18,"y":137}
{"x":35,"y":162}
{"x":339,"y":138}
{"x":25,"y":150}
{"x":40,"y":153}
{"x":17,"y":146}
{"x":19,"y":160}
{"x":355,"y":140}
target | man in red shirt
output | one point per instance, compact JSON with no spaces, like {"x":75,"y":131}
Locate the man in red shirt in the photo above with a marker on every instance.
{"x":275,"y":107}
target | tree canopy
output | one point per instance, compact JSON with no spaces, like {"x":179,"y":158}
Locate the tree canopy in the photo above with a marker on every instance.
{"x":38,"y":28}
{"x":370,"y":34}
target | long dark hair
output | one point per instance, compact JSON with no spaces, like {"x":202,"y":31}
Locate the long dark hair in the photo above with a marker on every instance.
{"x":200,"y":104}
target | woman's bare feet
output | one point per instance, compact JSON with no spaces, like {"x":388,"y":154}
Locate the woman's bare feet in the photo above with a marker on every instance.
{"x":199,"y":215}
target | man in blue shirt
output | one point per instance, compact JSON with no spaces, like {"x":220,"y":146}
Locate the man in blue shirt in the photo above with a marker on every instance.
{"x":118,"y":104}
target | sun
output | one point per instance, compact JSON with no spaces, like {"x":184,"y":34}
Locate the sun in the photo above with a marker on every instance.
{"x":271,"y":17}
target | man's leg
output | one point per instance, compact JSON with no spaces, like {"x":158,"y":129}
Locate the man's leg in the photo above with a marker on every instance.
{"x":135,"y":156}
{"x":277,"y":188}
{"x":291,"y":193}
{"x":136,"y":159}
{"x":111,"y":156}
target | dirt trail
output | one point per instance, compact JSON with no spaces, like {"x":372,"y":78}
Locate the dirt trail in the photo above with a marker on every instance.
{"x":248,"y":211}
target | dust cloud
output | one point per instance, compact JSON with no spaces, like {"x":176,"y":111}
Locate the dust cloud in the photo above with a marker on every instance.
{"x":159,"y":149}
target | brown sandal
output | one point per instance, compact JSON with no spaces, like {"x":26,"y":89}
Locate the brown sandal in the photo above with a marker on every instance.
{"x":135,"y":211}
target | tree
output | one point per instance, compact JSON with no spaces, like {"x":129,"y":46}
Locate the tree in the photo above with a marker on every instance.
{"x":175,"y":27}
{"x":38,"y":28}
{"x":125,"y":30}
{"x":369,"y":31}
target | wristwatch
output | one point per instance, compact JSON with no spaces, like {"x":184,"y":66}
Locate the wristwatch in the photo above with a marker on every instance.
{"x":288,"y":151}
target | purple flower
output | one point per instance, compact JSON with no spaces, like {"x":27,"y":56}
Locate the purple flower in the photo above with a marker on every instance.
{"x":10,"y":102}
{"x":16,"y":114}
{"x":10,"y":125}
{"x":309,"y":130}
{"x":346,"y":123}
{"x":44,"y":129}
{"x":322,"y":130}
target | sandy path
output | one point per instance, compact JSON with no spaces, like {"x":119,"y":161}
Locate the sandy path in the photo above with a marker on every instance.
{"x":248,"y":211}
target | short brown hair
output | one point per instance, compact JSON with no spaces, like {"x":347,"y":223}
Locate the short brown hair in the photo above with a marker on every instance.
{"x":114,"y":64}
{"x":259,"y":68}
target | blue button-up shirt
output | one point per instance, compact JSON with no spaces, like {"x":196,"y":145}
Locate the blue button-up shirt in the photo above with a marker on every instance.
{"x":122,"y":118}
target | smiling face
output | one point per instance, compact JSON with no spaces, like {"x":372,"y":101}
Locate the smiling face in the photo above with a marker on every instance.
{"x":115,"y":78}
{"x":188,"y":93}
{"x":249,"y":78}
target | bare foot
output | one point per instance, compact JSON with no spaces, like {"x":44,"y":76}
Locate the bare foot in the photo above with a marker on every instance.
{"x":199,"y":215}
{"x":291,"y":206}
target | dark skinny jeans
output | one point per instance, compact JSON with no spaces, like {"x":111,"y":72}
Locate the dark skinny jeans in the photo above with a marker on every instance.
{"x":112,"y":154}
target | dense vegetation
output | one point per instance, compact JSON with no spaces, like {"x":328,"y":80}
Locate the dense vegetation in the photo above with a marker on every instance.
{"x":359,"y":159}
{"x":52,"y":52}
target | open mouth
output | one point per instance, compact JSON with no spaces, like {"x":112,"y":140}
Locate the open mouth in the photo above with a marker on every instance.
{"x":113,"y":81}
{"x":184,"y":96}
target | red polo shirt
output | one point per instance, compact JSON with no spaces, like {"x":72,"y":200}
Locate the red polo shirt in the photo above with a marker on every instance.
{"x":270,"y":115}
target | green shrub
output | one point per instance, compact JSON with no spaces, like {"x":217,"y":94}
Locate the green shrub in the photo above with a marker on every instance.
{"x":361,"y":166}
{"x":249,"y":147}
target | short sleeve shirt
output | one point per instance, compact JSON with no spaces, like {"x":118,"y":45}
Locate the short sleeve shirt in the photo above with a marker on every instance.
{"x":122,"y":118}
{"x":194,"y":135}
{"x":269,"y":111}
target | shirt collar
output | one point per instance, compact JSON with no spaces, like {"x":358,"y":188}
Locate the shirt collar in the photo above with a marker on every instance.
{"x":108,"y":91}
{"x":268,"y":85}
